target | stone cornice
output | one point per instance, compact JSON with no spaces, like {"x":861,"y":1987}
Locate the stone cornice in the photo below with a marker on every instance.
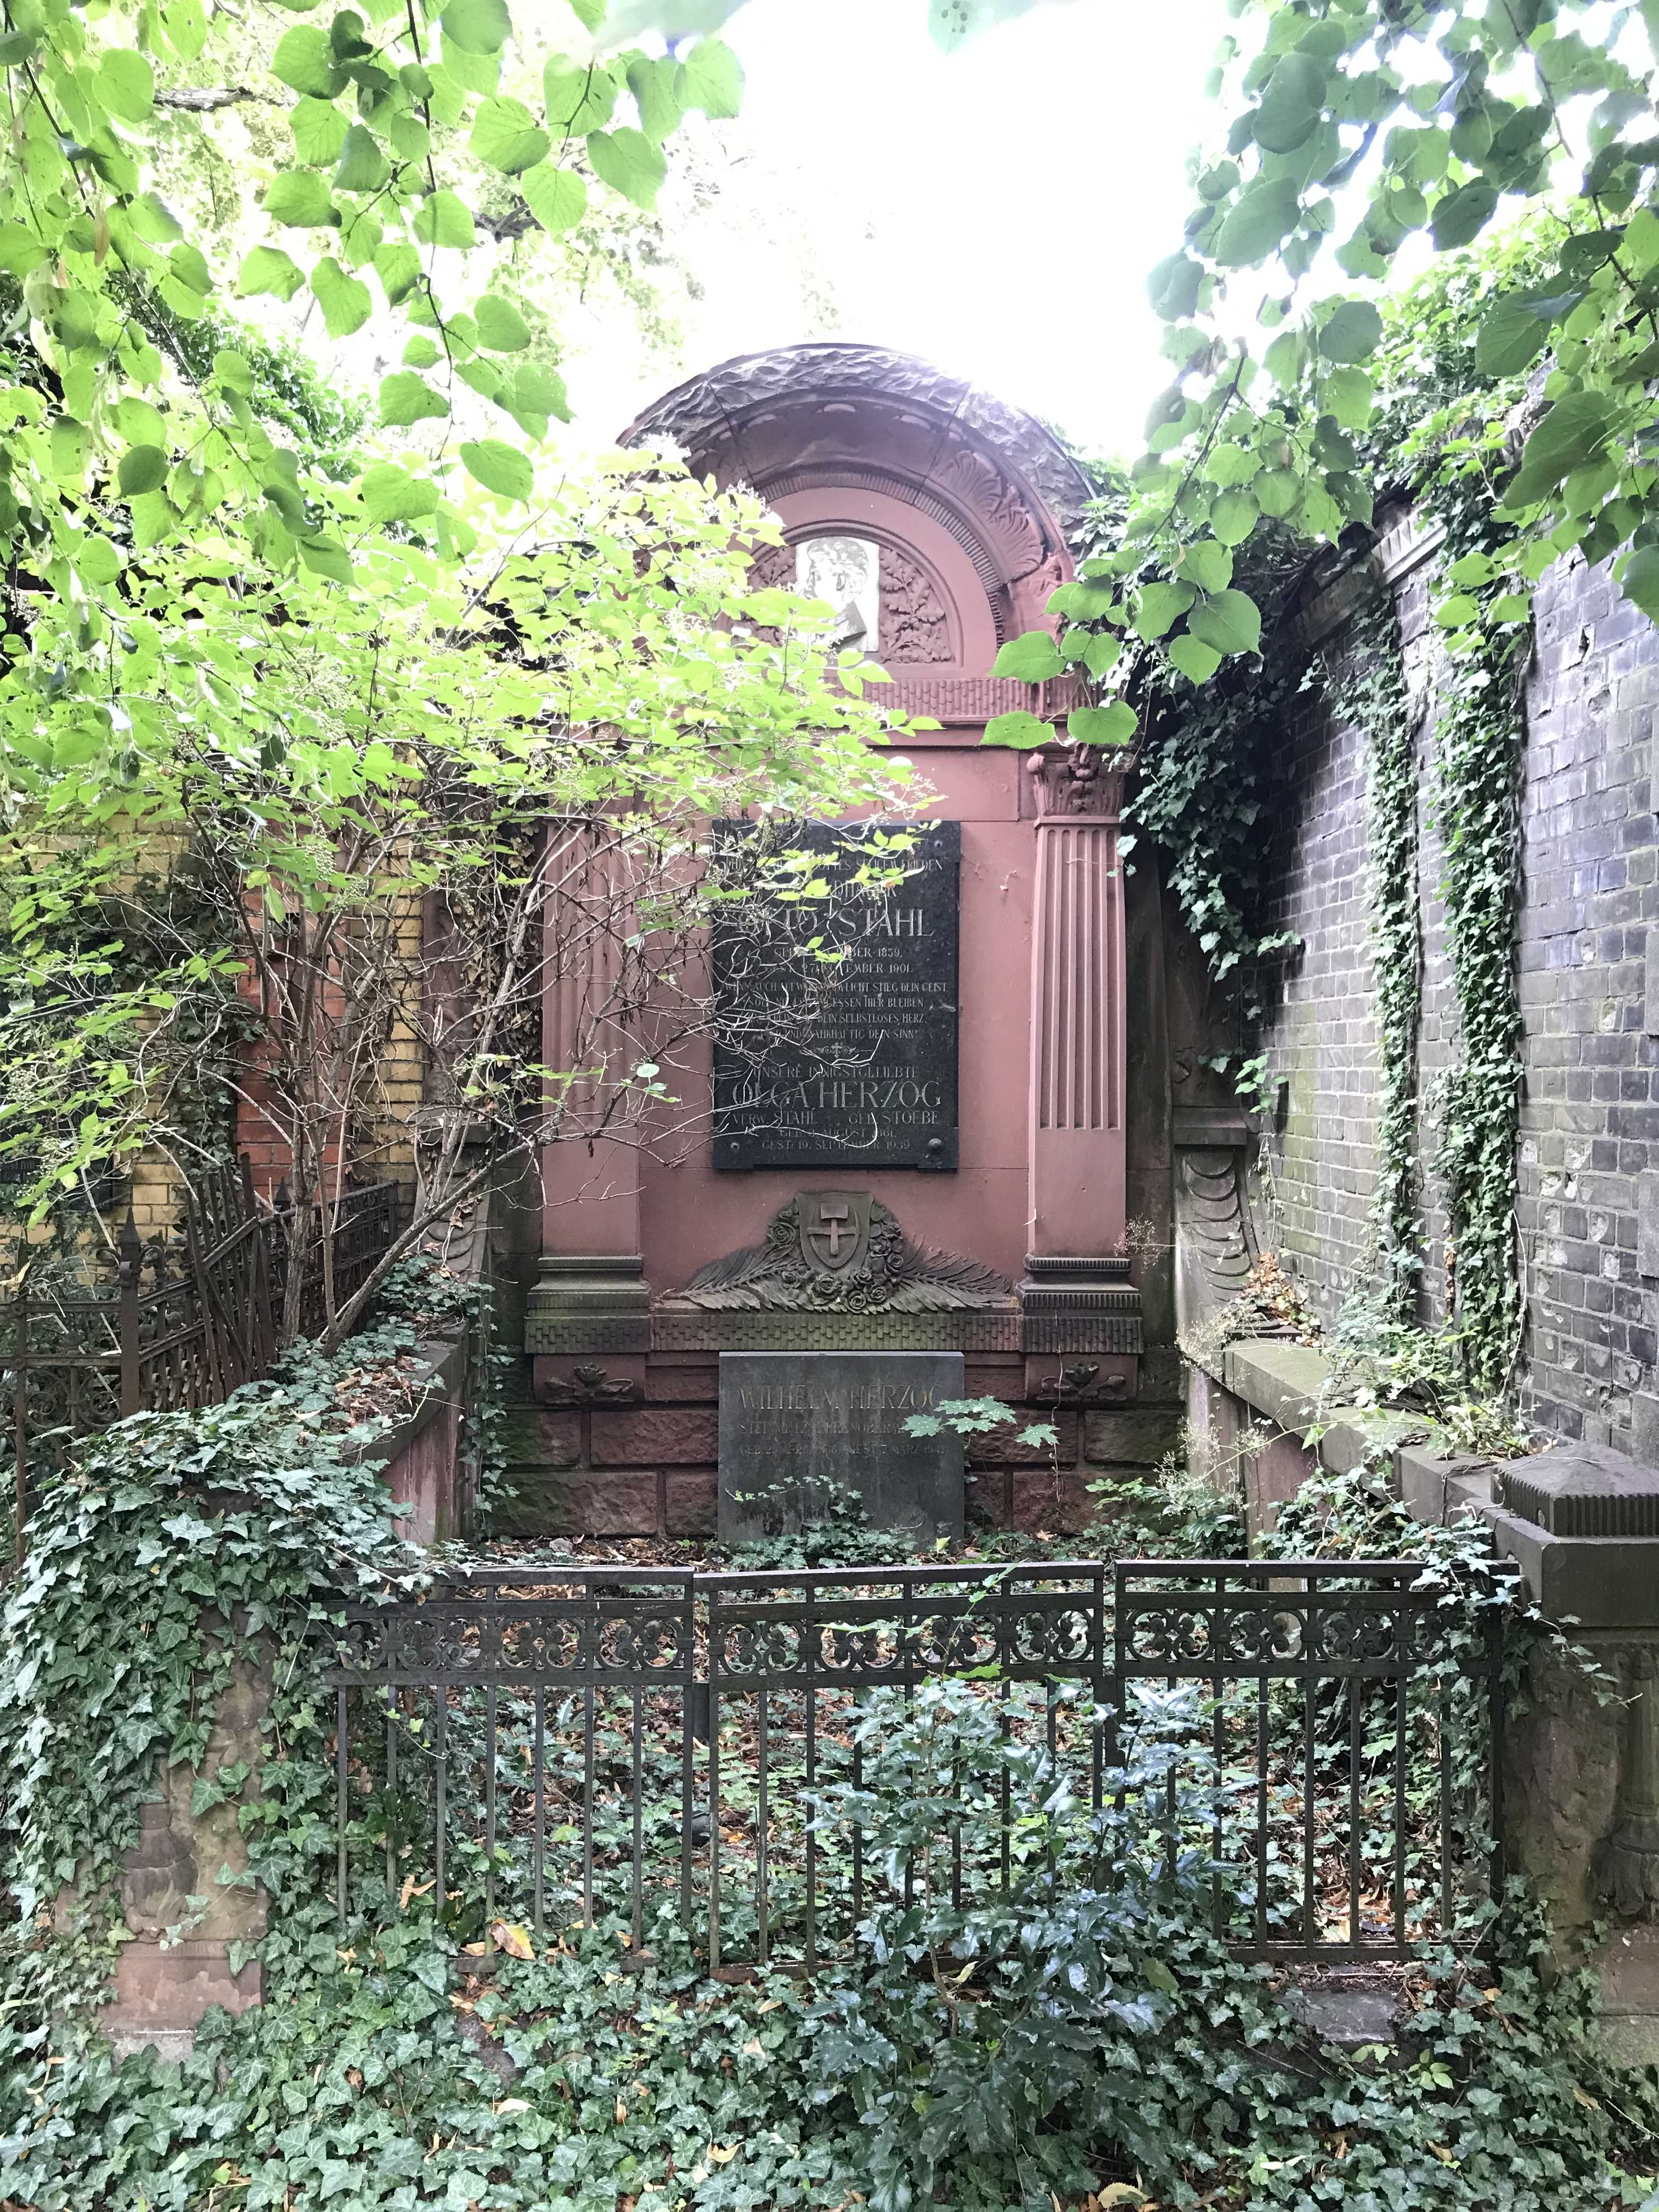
{"x":715,"y":408}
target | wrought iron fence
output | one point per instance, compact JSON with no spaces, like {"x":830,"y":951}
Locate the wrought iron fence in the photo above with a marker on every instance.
{"x":76,"y":1362}
{"x":593,"y":1743}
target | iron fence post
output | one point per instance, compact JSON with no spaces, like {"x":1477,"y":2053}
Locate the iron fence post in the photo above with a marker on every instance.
{"x":130,"y":1261}
{"x":19,"y":1418}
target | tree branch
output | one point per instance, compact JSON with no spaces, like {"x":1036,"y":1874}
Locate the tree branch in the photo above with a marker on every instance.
{"x":211,"y":98}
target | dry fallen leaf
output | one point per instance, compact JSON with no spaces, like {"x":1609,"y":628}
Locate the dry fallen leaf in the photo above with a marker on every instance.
{"x":512,"y":2105}
{"x":723,"y":2157}
{"x":754,"y":2048}
{"x":507,"y":1935}
{"x":622,"y":2111}
{"x":411,"y":1888}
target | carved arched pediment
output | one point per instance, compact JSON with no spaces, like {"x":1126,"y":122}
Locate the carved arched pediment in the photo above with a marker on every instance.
{"x":970,"y":499}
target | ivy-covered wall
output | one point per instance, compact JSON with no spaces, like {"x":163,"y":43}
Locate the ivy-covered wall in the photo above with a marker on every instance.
{"x":1590,"y":897}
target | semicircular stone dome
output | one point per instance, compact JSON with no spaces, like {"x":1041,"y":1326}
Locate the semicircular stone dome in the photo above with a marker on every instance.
{"x":937,"y":515}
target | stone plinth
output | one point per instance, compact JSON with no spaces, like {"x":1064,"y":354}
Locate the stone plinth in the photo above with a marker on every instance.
{"x":796,"y":1428}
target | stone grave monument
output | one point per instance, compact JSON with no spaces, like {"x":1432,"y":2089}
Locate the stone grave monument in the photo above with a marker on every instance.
{"x":921,"y":1165}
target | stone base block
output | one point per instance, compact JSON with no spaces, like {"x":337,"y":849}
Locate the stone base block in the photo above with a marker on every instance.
{"x":691,"y":1501}
{"x":580,"y":1504}
{"x":1138,"y":1438}
{"x":655,"y":1436}
{"x":1629,"y":1965}
{"x":161,"y":1995}
{"x":1040,"y":1500}
{"x":1272,"y":1478}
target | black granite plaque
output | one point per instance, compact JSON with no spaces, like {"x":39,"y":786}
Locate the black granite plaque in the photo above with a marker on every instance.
{"x":835,"y":1016}
{"x":797,"y":1427}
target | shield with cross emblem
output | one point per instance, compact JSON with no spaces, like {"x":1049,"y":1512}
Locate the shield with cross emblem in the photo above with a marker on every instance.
{"x":834,"y":1227}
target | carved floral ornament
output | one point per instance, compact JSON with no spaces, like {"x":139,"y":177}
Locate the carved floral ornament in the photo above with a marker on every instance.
{"x":1078,"y":780}
{"x":902,"y":620}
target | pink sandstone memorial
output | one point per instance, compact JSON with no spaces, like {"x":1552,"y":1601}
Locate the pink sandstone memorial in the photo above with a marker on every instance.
{"x":943,"y":1169}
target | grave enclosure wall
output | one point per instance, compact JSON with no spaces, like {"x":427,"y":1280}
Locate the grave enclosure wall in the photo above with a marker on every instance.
{"x":996,"y":1234}
{"x":1588,"y":959}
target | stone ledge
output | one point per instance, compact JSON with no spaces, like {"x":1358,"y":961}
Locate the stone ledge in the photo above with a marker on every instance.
{"x":1598,"y":1581}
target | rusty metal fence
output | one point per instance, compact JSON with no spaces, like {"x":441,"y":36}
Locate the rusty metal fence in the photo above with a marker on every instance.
{"x":204,"y":1323}
{"x":600,"y":1744}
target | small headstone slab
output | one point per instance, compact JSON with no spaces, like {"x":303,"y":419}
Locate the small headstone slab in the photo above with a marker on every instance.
{"x":798,"y":1427}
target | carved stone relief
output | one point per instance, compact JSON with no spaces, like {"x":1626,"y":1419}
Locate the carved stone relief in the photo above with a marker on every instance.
{"x":842,"y":1251}
{"x":914,"y":627}
{"x":1215,"y":1247}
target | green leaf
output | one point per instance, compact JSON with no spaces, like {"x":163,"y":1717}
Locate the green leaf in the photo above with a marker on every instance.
{"x":1173,"y":287}
{"x":345,"y":300}
{"x":501,"y":328}
{"x":300,"y":200}
{"x":326,"y":556}
{"x":127,"y":85}
{"x":579,"y":100}
{"x":97,"y":560}
{"x":654,"y":85}
{"x":398,"y":268}
{"x":628,"y":161}
{"x":406,"y":397}
{"x":1278,"y":492}
{"x":444,"y":219}
{"x":1230,"y":623}
{"x":556,"y":197}
{"x":392,"y":495}
{"x":1233,"y":516}
{"x":1102,"y":653}
{"x":506,"y":135}
{"x":1511,"y":336}
{"x":268,"y":269}
{"x":1194,"y":657}
{"x":1639,"y":581}
{"x":234,"y":371}
{"x":1349,"y":396}
{"x":320,"y":131}
{"x":143,"y":468}
{"x":1263,"y":215}
{"x":153,"y":520}
{"x":713,"y":80}
{"x":1102,"y":726}
{"x":1033,"y":658}
{"x":1459,"y":215}
{"x":1291,"y":105}
{"x":499,"y":467}
{"x":541,"y":388}
{"x":1352,"y":332}
{"x":140,"y":424}
{"x":1018,"y":728}
{"x":478,"y":26}
{"x":1207,"y":564}
{"x":154,"y":219}
{"x":305,"y":59}
{"x":1161,"y":605}
{"x":1577,"y":429}
{"x":363,"y":166}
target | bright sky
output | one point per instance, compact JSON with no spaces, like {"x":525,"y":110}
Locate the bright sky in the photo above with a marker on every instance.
{"x":995,"y":211}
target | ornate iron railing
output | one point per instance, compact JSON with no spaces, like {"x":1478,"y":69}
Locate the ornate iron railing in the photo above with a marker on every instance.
{"x":562,"y":1742}
{"x":74,"y":1363}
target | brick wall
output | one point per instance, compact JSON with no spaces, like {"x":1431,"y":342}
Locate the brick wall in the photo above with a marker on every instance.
{"x":1590,"y":1122}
